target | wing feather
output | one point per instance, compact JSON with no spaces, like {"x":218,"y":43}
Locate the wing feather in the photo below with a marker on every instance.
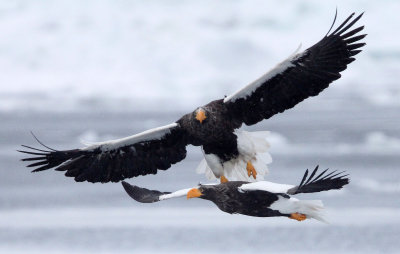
{"x":144,"y":195}
{"x":323,"y":182}
{"x":300,"y":76}
{"x":115,"y":160}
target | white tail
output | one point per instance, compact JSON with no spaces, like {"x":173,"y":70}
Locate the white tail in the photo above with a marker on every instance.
{"x":252,"y":146}
{"x":311,"y":208}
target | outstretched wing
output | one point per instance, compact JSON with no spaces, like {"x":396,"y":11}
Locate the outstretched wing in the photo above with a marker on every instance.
{"x":115,"y":160}
{"x":300,"y":76}
{"x":323,"y":182}
{"x":265,"y":186}
{"x":144,"y":195}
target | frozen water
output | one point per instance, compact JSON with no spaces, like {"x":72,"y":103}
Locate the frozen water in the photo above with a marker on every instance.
{"x":49,"y":213}
{"x":124,"y":55}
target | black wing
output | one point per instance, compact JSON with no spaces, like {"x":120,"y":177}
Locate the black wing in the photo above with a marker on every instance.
{"x":301,"y":76}
{"x":116,"y":160}
{"x":142,"y":195}
{"x":323,"y":182}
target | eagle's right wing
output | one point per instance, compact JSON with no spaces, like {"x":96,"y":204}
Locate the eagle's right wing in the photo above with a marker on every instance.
{"x":115,"y":160}
{"x":322,"y":182}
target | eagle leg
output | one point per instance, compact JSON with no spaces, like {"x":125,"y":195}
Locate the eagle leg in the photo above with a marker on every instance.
{"x":223,"y":179}
{"x":251,"y":170}
{"x":298,"y":216}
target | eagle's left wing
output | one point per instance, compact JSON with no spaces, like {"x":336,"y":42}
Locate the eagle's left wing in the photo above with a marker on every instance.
{"x":314,"y":183}
{"x":300,"y":76}
{"x":115,"y":160}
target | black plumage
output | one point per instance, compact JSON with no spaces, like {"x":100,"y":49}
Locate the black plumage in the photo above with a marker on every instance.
{"x":231,"y":197}
{"x":311,"y":72}
{"x":211,"y":126}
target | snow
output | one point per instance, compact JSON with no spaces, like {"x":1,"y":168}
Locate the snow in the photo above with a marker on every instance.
{"x":143,"y":56}
{"x":50,"y":213}
{"x":374,"y":142}
{"x":127,"y":217}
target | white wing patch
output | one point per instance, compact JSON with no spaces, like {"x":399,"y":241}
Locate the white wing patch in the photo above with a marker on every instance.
{"x":250,"y":88}
{"x":265,"y":186}
{"x":180,"y":193}
{"x":152,"y":134}
{"x":175,"y":194}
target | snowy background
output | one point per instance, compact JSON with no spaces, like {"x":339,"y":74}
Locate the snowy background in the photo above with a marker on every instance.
{"x":94,"y":70}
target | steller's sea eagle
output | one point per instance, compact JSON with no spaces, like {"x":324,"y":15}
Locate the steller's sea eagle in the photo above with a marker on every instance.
{"x":229,"y":153}
{"x":259,"y":199}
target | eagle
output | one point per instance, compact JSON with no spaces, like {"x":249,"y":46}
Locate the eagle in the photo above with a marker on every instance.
{"x":258,"y":199}
{"x":230,"y":154}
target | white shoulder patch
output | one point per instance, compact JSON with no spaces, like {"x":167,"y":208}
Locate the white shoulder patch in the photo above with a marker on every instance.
{"x":175,"y":194}
{"x":152,"y":134}
{"x":250,"y":88}
{"x":265,"y":186}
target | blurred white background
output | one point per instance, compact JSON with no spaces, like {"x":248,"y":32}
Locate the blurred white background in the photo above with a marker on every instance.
{"x":94,"y":70}
{"x":125,"y":55}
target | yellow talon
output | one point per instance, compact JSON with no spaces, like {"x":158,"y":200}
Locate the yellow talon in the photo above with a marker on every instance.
{"x":298,"y":216}
{"x":223,"y":179}
{"x":251,"y":170}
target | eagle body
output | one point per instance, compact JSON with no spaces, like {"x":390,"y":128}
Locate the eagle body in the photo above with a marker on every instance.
{"x":258,"y":199}
{"x":216,"y":133}
{"x":228,"y":152}
{"x":228,"y":199}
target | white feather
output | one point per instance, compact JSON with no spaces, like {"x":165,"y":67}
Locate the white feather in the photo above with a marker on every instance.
{"x":180,"y":193}
{"x":266,"y":186}
{"x":155,"y":133}
{"x":175,"y":194}
{"x":214,"y":166}
{"x":311,"y":208}
{"x":252,"y":146}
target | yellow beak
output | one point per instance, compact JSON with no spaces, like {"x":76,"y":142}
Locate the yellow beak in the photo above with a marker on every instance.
{"x":194,"y":193}
{"x":201,"y":115}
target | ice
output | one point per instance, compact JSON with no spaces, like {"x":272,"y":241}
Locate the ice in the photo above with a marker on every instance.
{"x":129,"y":56}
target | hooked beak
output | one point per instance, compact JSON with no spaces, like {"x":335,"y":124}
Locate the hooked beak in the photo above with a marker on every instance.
{"x":194,"y":193}
{"x":201,"y":115}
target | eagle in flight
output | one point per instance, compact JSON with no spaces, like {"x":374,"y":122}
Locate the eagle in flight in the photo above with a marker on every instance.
{"x":229,"y":153}
{"x":259,"y":199}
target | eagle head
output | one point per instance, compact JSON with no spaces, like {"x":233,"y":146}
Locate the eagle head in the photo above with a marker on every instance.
{"x":202,"y":191}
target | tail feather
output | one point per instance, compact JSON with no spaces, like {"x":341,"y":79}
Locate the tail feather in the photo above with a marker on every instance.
{"x":312,"y":209}
{"x":252,"y":147}
{"x":323,"y":182}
